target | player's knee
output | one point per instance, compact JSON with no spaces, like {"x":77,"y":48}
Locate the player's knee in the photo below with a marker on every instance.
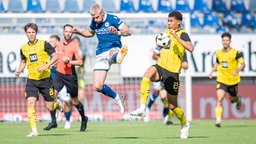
{"x":49,"y":108}
{"x":98,"y":87}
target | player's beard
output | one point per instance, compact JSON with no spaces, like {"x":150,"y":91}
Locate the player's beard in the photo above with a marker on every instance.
{"x":67,"y":39}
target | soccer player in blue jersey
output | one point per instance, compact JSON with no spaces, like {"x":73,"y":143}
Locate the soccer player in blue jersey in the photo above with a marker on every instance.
{"x":108,"y":29}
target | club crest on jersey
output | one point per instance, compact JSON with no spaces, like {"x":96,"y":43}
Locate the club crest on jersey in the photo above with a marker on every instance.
{"x":38,"y":47}
{"x":106,"y":24}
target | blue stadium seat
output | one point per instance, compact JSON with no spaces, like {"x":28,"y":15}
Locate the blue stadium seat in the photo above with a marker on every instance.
{"x":109,"y":6}
{"x":15,"y":6}
{"x":182,"y":5}
{"x":145,"y":6}
{"x":230,"y":20}
{"x":2,"y":9}
{"x":87,"y":5}
{"x":194,"y":20}
{"x":248,"y":20}
{"x":211,"y":19}
{"x":252,"y":5}
{"x":34,"y":6}
{"x":219,"y":6}
{"x":201,"y":6}
{"x":52,"y":6}
{"x":221,"y":29}
{"x":164,"y":6}
{"x":237,"y":5}
{"x":71,"y":6}
{"x":127,"y":6}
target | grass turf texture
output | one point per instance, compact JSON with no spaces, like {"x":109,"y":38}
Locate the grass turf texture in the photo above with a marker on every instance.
{"x":134,"y":132}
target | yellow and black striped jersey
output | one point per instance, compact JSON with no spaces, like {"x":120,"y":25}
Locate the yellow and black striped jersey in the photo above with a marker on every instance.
{"x":171,"y":58}
{"x":227,"y":63}
{"x":37,"y":55}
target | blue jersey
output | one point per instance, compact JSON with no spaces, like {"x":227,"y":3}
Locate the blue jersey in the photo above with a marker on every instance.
{"x":106,"y":39}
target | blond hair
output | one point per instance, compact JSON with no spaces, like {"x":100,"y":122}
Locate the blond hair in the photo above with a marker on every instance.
{"x":95,"y":8}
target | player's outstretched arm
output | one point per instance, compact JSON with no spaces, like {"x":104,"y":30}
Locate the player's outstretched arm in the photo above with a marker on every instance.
{"x":84,"y":33}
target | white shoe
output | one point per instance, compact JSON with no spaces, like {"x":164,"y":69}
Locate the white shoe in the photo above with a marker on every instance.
{"x":32,"y":134}
{"x":184,"y":131}
{"x":138,"y":112}
{"x":166,"y":118}
{"x":67,"y":125}
{"x":121,"y":54}
{"x":146,"y":118}
{"x":218,"y":123}
{"x":60,"y":106}
{"x":120,"y":102}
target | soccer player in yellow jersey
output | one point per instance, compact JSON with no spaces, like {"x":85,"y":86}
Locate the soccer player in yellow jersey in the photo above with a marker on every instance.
{"x":167,"y":70}
{"x":229,"y":62}
{"x":35,"y":54}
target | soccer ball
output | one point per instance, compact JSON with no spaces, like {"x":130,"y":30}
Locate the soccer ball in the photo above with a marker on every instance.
{"x":163,"y":40}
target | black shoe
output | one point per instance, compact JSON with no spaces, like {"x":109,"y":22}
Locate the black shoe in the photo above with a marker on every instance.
{"x":169,"y":122}
{"x":51,"y":125}
{"x":84,"y":124}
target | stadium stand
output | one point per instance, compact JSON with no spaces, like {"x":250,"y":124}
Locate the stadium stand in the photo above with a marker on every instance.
{"x":182,"y":5}
{"x":109,"y":6}
{"x":230,"y":20}
{"x":201,"y":6}
{"x":211,"y":19}
{"x":164,"y":6}
{"x":194,"y":20}
{"x":71,"y":6}
{"x":2,"y":9}
{"x":127,"y":6}
{"x":221,"y":29}
{"x":248,"y":20}
{"x":87,"y":4}
{"x":52,"y":6}
{"x":237,"y":6}
{"x":219,"y":6}
{"x":145,"y":6}
{"x":15,"y":6}
{"x":252,"y":5}
{"x":34,"y":6}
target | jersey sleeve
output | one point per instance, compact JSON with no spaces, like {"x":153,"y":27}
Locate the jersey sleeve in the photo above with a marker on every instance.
{"x":117,"y":22}
{"x":240,"y":57}
{"x":184,"y":36}
{"x":22,"y":55}
{"x":48,"y":48}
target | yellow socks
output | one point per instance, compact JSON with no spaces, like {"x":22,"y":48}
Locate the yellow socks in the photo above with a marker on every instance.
{"x":165,"y":102}
{"x":144,"y":90}
{"x":180,"y":115}
{"x":32,"y":117}
{"x":218,"y":112}
{"x":170,"y":114}
{"x":55,"y":104}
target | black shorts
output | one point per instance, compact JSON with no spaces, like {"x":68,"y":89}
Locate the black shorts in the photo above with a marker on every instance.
{"x":231,"y":89}
{"x":70,"y":81}
{"x":44,"y":86}
{"x":170,"y":80}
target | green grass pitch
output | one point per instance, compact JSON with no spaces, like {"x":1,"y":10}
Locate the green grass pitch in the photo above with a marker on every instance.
{"x":133,"y":132}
